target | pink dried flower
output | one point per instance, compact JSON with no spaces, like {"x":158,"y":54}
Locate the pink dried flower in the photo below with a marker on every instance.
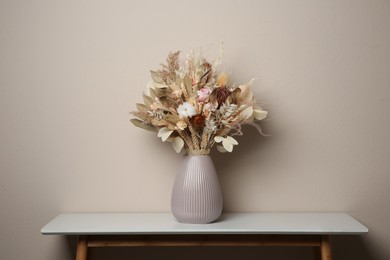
{"x":203,"y":94}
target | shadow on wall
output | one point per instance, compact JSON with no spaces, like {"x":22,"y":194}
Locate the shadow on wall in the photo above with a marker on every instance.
{"x":250,"y":145}
{"x":352,"y":247}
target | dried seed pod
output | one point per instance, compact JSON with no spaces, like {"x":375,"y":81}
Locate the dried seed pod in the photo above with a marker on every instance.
{"x":222,"y":95}
{"x":197,"y":121}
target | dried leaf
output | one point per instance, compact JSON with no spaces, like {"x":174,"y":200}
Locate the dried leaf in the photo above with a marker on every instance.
{"x":159,"y":122}
{"x":142,"y":115}
{"x":235,"y":95}
{"x":213,"y":98}
{"x":247,"y":113}
{"x":142,"y":108}
{"x":164,"y":133}
{"x":172,"y":118}
{"x":246,"y":95}
{"x":260,"y":114}
{"x":228,"y":143}
{"x":177,"y":144}
{"x":141,"y":124}
{"x":152,"y":93}
{"x":156,"y":77}
{"x":221,"y":149}
{"x":171,"y":126}
{"x":147,"y":100}
{"x":188,"y":84}
{"x":218,"y":139}
{"x":232,"y":140}
{"x":178,"y":81}
{"x":163,"y":123}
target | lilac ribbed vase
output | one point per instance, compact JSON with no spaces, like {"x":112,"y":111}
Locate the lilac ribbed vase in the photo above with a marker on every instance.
{"x":196,"y":193}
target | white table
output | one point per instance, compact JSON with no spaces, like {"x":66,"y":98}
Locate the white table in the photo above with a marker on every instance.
{"x":233,"y":229}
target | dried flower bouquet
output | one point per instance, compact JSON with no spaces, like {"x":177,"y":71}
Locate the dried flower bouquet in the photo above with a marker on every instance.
{"x":193,"y":106}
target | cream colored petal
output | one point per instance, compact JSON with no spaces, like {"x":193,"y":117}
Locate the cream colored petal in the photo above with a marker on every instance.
{"x":247,"y":113}
{"x":177,"y":144}
{"x":164,"y":133}
{"x":218,"y":139}
{"x":246,"y":95}
{"x":260,"y":114}
{"x":232,"y":140}
{"x":227,"y":145}
{"x":221,"y":149}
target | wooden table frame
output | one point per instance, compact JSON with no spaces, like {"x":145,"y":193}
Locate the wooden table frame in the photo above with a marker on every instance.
{"x":320,"y":243}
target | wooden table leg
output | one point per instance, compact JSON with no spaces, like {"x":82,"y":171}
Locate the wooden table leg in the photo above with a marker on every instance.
{"x":82,"y":248}
{"x":326,"y":252}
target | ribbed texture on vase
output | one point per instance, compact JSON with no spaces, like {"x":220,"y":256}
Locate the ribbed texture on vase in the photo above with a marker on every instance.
{"x":196,"y":193}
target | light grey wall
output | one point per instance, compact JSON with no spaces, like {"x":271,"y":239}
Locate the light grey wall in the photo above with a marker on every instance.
{"x":70,"y":71}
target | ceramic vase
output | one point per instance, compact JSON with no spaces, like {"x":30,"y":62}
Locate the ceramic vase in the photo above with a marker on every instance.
{"x":196,"y":193}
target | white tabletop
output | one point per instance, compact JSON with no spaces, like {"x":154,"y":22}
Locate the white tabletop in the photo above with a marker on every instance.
{"x":229,"y":223}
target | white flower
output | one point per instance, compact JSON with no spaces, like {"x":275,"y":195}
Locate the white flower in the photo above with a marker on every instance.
{"x":186,"y":110}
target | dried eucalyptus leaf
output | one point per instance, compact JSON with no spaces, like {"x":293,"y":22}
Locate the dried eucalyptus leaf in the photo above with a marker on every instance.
{"x":172,"y":118}
{"x":159,"y":122}
{"x":169,"y":81}
{"x":141,"y":124}
{"x":152,"y":93}
{"x":147,"y":100}
{"x":156,"y":77}
{"x":178,"y":81}
{"x":142,"y":108}
{"x":188,"y":84}
{"x":142,"y":115}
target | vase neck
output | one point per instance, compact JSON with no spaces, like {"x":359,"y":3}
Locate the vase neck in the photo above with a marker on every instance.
{"x":198,"y":152}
